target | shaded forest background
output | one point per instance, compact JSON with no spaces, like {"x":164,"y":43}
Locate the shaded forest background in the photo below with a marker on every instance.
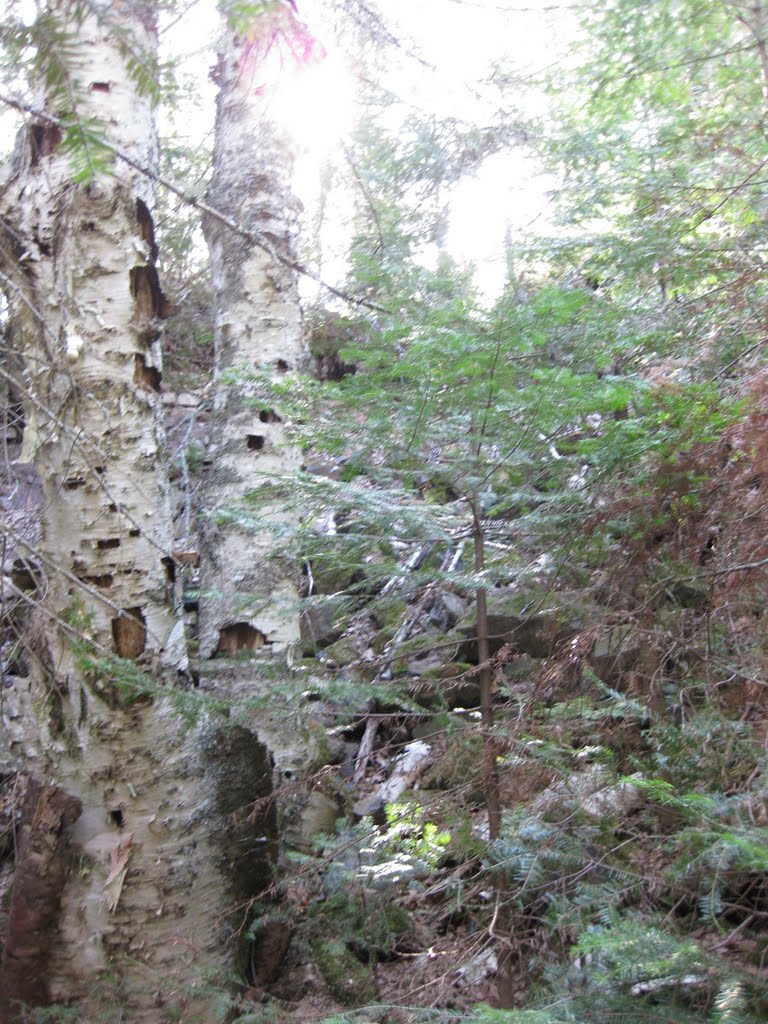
{"x":532,"y":536}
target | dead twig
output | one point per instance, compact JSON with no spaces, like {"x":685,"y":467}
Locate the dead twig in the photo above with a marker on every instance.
{"x":366,"y":747}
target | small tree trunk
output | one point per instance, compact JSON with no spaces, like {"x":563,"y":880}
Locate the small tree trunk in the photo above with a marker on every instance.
{"x":490,"y":771}
{"x":507,"y":970}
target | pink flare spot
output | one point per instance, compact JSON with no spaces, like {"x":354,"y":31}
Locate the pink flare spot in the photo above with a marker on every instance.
{"x":278,"y":43}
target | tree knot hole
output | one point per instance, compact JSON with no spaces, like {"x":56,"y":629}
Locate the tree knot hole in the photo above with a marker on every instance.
{"x":107,"y":543}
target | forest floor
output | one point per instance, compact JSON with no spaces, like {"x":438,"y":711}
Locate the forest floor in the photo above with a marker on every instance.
{"x":629,"y":735}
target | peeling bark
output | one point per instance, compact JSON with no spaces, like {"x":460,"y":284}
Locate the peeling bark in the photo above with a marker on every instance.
{"x":158,"y":900}
{"x":150,"y":906}
{"x":41,"y":871}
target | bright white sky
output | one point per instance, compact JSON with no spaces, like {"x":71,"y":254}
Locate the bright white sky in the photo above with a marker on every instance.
{"x":458,"y":41}
{"x":463,"y":39}
{"x":447,"y":49}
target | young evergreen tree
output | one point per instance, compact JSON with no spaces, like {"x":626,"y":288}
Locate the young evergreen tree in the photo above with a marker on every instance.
{"x":571,"y":432}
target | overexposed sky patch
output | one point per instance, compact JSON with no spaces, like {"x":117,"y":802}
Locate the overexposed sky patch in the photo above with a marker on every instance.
{"x":447,"y":51}
{"x":461,"y":42}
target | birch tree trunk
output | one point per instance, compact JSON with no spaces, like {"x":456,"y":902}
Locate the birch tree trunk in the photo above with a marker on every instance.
{"x":165,"y":851}
{"x":249,"y":594}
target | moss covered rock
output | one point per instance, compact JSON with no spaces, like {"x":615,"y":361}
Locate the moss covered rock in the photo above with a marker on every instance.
{"x":343,"y":652}
{"x":322,"y":622}
{"x":452,"y":685}
{"x":388,"y":618}
{"x":533,"y":620}
{"x":347,"y":979}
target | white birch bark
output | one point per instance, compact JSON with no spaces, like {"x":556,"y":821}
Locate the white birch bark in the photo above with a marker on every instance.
{"x":249,"y":596}
{"x":159,"y":858}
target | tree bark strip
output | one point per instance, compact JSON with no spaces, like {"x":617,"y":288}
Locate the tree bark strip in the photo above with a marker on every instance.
{"x":42,"y":869}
